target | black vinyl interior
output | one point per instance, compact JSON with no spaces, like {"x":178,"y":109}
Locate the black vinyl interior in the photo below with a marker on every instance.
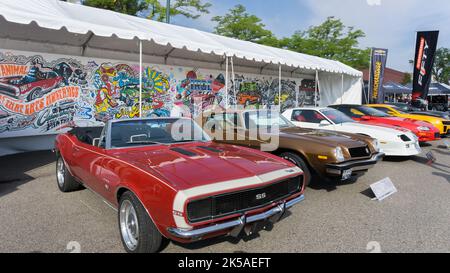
{"x":87,"y":134}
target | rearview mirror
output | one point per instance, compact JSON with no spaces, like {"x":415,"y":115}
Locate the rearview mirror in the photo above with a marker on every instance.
{"x":324,"y":123}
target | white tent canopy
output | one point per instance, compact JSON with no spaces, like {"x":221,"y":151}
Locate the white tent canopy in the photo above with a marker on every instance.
{"x":79,"y":30}
{"x":57,"y":27}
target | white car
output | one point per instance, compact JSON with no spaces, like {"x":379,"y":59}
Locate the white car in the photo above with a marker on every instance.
{"x":393,"y":142}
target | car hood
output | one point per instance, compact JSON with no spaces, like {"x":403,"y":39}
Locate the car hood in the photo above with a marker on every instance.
{"x":324,"y":137}
{"x":409,"y":123}
{"x":196,"y":164}
{"x":381,"y":131}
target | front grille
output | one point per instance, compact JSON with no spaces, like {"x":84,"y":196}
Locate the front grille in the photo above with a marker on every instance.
{"x":405,"y":138}
{"x":359,"y":151}
{"x":238,"y":202}
{"x":446,"y":122}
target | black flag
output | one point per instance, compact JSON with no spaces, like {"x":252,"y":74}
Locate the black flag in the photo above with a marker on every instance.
{"x":378,"y":65}
{"x":425,"y":51}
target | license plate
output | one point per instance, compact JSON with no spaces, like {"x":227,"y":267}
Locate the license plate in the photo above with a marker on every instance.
{"x":346,"y":174}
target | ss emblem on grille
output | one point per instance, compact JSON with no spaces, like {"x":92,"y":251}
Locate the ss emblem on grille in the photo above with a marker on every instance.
{"x":261,"y":196}
{"x":367,"y":150}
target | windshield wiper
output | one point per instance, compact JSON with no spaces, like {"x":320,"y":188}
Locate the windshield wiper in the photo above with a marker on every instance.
{"x":192,"y":140}
{"x":142,"y":142}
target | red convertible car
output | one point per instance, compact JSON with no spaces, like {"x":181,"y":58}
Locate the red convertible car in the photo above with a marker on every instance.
{"x":168,"y":180}
{"x":423,"y":130}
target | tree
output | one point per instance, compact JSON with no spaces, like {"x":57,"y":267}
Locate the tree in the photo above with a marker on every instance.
{"x":187,"y":8}
{"x":239,"y":24}
{"x":407,"y":78}
{"x":155,"y":10}
{"x":441,"y":68}
{"x":131,"y":7}
{"x":331,"y":40}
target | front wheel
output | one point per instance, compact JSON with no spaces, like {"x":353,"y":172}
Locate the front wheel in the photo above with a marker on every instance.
{"x":66,"y":182}
{"x":297,"y":160}
{"x":138,"y":233}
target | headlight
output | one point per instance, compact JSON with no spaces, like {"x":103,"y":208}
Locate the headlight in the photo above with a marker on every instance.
{"x":339,"y":154}
{"x":376,"y":145}
{"x":423,"y":128}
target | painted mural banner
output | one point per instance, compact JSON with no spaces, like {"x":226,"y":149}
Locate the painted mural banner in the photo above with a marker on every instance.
{"x":47,"y":93}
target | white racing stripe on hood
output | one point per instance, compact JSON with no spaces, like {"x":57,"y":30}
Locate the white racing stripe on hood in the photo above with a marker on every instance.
{"x":182,"y":196}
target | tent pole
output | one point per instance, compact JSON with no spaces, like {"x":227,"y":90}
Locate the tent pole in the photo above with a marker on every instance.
{"x":233,"y":79}
{"x":279,"y":87}
{"x":140,"y":78}
{"x":226,"y":82}
{"x":315,"y":88}
{"x":370,"y":77}
{"x":342,"y":89}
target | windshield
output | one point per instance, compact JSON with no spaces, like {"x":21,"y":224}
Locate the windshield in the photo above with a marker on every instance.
{"x":265,"y":119}
{"x":368,"y":111}
{"x":401,"y":110}
{"x":336,"y":116}
{"x":155,"y":131}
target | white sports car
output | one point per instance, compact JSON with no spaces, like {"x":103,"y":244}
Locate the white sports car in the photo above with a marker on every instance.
{"x":393,"y":142}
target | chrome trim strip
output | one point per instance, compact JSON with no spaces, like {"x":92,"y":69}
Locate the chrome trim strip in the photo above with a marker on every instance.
{"x":239,"y":223}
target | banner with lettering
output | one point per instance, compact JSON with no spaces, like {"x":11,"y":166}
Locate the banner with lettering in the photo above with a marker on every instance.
{"x":424,"y":59}
{"x":378,"y":65}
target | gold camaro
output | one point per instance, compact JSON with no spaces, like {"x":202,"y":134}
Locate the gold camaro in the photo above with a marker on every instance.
{"x":442,"y":124}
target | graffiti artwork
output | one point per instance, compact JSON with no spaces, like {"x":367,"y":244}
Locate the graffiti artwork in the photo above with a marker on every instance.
{"x":45,"y":94}
{"x":32,"y":92}
{"x":307,"y":93}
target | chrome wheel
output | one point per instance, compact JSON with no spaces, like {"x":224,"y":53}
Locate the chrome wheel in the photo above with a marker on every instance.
{"x":60,"y":171}
{"x":129,"y":226}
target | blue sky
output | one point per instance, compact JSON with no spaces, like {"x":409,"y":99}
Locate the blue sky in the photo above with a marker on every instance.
{"x":387,"y":23}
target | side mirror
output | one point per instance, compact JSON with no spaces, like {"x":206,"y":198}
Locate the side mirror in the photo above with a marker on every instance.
{"x":324,"y":123}
{"x":365,"y":118}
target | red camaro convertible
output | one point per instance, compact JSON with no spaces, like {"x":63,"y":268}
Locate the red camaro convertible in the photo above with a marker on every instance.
{"x":423,"y":130}
{"x":169,"y":181}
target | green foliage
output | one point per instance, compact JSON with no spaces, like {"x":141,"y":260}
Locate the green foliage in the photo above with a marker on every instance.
{"x":441,"y":68}
{"x":187,"y":8}
{"x":331,"y":40}
{"x":407,"y":78}
{"x":239,"y":24}
{"x":157,"y":11}
{"x":131,"y":7}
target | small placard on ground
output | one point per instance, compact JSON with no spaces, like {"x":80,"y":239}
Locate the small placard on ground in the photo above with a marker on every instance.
{"x":383,"y":188}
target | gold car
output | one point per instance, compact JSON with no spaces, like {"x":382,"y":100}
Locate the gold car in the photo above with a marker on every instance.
{"x":442,"y":124}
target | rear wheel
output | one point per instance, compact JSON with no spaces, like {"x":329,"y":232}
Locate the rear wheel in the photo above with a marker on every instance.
{"x":138,"y":232}
{"x":297,"y":160}
{"x":66,"y":182}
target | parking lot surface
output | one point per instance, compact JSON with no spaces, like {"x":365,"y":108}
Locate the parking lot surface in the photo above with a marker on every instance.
{"x":36,"y":217}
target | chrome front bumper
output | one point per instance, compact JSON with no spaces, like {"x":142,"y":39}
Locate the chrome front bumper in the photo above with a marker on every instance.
{"x":273,"y":215}
{"x":356,"y":165}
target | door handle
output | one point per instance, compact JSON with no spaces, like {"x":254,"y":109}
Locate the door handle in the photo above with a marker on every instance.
{"x":76,"y":149}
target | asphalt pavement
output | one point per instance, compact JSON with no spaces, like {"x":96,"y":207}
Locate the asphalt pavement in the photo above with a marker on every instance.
{"x":36,"y":217}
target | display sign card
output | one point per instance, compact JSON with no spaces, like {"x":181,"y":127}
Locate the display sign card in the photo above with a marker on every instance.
{"x":383,"y":189}
{"x":447,"y":144}
{"x":431,"y":158}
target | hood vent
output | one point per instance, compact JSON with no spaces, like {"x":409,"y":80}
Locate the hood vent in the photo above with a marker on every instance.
{"x":183,"y":152}
{"x":211,"y":149}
